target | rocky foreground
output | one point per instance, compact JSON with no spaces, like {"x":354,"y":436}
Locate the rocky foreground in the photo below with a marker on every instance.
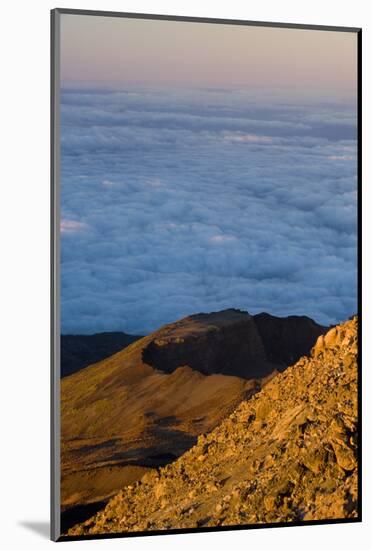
{"x":287,"y":454}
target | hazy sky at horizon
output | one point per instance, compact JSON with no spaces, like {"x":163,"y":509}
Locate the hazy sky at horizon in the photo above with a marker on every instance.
{"x":124,"y":52}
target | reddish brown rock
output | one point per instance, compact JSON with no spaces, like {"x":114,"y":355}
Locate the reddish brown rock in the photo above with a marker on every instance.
{"x":297,"y":462}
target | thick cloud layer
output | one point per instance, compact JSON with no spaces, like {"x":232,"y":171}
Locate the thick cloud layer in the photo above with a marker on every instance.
{"x":175,"y":203}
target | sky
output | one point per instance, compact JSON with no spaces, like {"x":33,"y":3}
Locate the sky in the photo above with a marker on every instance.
{"x":205,"y":167}
{"x":116,"y":51}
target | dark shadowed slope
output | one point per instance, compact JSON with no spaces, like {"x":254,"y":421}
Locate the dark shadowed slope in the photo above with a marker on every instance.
{"x":232,"y":342}
{"x":288,"y":454}
{"x":80,"y":350}
{"x":286,"y":339}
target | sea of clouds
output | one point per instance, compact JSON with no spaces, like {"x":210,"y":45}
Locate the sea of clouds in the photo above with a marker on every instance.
{"x":179,"y":202}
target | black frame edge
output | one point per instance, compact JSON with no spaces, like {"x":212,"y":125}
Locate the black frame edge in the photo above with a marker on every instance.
{"x":52,"y":131}
{"x":359,"y":263}
{"x":247,"y":527}
{"x":219,"y":21}
{"x":54,"y":280}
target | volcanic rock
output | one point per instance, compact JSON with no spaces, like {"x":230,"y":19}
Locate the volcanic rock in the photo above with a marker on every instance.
{"x":144,"y":406}
{"x":288,"y":454}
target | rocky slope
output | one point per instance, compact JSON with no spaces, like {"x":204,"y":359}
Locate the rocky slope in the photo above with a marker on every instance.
{"x":286,"y":454}
{"x":80,"y":350}
{"x":145,"y":406}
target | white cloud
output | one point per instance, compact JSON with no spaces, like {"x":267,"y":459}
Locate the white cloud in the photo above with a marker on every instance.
{"x":190,"y":221}
{"x":222,"y":238}
{"x":155,"y":182}
{"x":340,"y":157}
{"x":71,"y":226}
{"x":247,"y":138}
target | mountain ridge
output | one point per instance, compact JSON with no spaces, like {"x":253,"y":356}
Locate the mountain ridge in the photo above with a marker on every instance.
{"x":289,"y":453}
{"x":81,"y":350}
{"x":129,"y":412}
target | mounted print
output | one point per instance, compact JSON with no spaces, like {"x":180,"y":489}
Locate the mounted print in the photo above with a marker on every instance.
{"x":205,"y":282}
